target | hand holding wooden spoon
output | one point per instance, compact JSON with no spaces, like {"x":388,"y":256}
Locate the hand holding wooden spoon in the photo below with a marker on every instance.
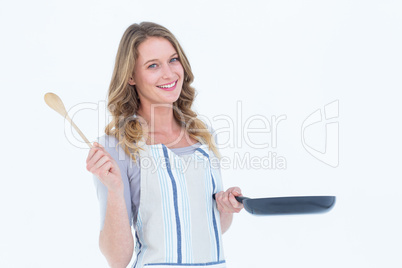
{"x":99,"y":161}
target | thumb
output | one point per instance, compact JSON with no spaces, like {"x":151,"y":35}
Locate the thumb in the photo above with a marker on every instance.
{"x":236,"y":191}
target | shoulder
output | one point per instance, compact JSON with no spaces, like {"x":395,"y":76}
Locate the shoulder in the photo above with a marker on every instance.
{"x":111,"y":145}
{"x":109,"y":142}
{"x":213,"y":132}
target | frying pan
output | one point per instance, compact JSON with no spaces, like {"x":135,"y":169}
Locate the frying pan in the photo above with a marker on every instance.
{"x":289,"y":205}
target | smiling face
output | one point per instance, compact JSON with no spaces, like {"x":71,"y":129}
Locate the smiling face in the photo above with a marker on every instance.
{"x":158,"y":73}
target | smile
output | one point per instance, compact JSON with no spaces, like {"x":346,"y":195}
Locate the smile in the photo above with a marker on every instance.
{"x":170,"y":86}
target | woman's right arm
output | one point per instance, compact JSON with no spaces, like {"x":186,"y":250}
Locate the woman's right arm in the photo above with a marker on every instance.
{"x":115,"y":240}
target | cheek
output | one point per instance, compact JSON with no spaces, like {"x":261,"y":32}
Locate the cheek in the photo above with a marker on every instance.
{"x":179,"y":70}
{"x":182,"y":70}
{"x":146,"y":80}
{"x":151,"y":80}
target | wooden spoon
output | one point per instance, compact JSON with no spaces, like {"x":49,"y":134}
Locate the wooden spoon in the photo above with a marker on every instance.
{"x":56,"y":104}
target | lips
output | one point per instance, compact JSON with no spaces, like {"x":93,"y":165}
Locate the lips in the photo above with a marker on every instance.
{"x":169,"y":86}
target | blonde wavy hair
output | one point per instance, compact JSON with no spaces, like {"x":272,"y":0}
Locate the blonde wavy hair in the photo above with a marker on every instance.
{"x":123,"y":100}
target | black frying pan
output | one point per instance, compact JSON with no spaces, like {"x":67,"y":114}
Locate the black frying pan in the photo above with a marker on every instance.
{"x":287,"y":205}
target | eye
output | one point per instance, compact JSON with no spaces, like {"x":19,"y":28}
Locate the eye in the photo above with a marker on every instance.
{"x":174,"y":60}
{"x":152,"y":66}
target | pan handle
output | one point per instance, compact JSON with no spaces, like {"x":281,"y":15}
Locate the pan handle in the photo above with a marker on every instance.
{"x":238,"y":198}
{"x":241,"y":198}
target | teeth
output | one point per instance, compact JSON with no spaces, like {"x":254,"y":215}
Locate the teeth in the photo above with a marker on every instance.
{"x":168,"y":86}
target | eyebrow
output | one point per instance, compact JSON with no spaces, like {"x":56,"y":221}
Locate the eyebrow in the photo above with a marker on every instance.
{"x":175,"y":54}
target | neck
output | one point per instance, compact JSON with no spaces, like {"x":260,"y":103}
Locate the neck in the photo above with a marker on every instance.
{"x":159,"y":119}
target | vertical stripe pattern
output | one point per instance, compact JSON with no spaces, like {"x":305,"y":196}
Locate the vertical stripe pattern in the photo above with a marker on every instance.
{"x":176,"y":207}
{"x":213,"y":212}
{"x":166,"y":234}
{"x":184,"y":209}
{"x":140,"y":247}
{"x":168,"y":208}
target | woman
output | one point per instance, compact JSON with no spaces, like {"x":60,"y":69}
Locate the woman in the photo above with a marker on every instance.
{"x":154,"y":167}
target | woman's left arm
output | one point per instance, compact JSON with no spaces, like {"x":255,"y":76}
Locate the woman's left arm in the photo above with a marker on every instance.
{"x":227,"y":205}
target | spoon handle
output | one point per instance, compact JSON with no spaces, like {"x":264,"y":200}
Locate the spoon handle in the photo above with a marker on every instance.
{"x":79,"y":131}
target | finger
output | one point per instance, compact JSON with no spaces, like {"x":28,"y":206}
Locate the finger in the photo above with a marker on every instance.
{"x":95,"y":158}
{"x":101,"y":161}
{"x":236,"y":191}
{"x":230,"y":205}
{"x":91,"y":153}
{"x":224,"y":202}
{"x":218,"y":199}
{"x":104,"y":170}
{"x":233,"y":200}
{"x":218,"y":196}
{"x":237,"y":206}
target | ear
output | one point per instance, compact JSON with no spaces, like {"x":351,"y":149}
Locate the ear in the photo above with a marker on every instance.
{"x":131,"y":81}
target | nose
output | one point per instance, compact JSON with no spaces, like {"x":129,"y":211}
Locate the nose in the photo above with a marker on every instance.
{"x":167,"y":71}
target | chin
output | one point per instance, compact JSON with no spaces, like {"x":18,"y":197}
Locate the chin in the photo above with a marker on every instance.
{"x":174,"y":97}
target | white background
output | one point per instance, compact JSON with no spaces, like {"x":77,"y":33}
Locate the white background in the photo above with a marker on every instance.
{"x":276,"y":57}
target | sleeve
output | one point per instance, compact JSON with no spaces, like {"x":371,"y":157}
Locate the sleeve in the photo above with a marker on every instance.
{"x":134,"y":177}
{"x":122,"y":159}
{"x":215,"y":162}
